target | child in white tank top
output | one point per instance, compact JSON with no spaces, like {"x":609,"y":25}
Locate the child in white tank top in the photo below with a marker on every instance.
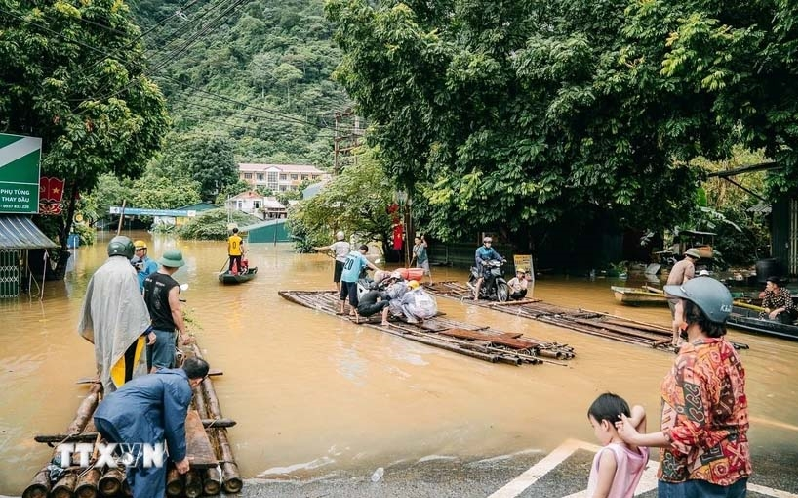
{"x":618,"y":466}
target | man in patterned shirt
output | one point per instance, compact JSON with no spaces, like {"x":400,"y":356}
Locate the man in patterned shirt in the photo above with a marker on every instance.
{"x":778,"y":302}
{"x":704,"y":420}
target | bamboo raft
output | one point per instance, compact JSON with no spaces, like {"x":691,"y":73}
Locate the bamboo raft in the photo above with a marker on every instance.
{"x":212,"y":467}
{"x":480,"y":342}
{"x":596,"y":323}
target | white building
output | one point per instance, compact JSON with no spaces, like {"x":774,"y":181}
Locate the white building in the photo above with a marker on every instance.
{"x":255,"y":204}
{"x":279,"y":177}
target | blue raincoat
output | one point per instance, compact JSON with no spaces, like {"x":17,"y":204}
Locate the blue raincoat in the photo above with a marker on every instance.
{"x":148,"y":409}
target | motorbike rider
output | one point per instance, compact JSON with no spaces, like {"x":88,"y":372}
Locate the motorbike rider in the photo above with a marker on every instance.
{"x":482,"y":257}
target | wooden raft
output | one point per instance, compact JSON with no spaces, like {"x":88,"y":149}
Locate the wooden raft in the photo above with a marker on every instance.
{"x":590,"y":322}
{"x":212,"y":466}
{"x":486,"y":344}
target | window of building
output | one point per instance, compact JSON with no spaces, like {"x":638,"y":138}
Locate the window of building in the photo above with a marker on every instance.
{"x":283,"y":176}
{"x":248,"y":176}
{"x":260,"y":176}
{"x":304,"y":177}
{"x":295,"y":176}
{"x":283,"y":188}
{"x":240,"y":205}
{"x":257,"y":204}
{"x":271,"y":180}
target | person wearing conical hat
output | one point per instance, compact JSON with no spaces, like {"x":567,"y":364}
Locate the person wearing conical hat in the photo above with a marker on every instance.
{"x":681,"y":272}
{"x":162,"y":297}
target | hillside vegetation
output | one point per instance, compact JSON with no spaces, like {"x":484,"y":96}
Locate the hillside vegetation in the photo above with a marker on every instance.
{"x":257,"y":72}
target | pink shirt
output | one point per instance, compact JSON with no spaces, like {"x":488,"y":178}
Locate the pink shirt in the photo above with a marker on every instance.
{"x":630,"y":469}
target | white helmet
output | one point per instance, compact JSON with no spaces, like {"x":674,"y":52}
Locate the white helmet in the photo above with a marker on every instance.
{"x":340,"y":235}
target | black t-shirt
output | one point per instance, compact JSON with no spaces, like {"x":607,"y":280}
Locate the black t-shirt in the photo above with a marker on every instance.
{"x":156,"y":296}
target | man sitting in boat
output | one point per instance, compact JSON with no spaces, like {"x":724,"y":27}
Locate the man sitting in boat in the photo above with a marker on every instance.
{"x":777,"y":302}
{"x":417,"y":305}
{"x":518,"y":284}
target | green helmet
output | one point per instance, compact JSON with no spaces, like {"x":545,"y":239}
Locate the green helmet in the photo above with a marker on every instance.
{"x":121,"y":246}
{"x":711,"y":296}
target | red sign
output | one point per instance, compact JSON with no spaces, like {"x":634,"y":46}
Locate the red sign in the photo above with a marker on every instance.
{"x":51,"y":190}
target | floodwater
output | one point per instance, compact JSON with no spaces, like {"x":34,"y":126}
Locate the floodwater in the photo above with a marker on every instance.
{"x":314,"y":394}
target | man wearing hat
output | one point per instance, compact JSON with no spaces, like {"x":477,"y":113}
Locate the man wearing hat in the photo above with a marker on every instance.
{"x":162,"y":296}
{"x":143,"y":263}
{"x":681,"y":272}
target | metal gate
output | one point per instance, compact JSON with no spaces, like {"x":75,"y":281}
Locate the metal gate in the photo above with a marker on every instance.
{"x":9,"y":274}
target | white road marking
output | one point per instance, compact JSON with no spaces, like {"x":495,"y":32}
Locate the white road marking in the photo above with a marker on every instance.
{"x":543,"y":467}
{"x":648,"y":481}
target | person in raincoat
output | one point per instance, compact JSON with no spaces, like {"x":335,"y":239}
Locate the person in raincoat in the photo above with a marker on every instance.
{"x":148,"y":410}
{"x":396,"y":289}
{"x":115,"y":318}
{"x":417,"y":305}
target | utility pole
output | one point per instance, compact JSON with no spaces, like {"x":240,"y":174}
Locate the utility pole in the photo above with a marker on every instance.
{"x":348,"y":135}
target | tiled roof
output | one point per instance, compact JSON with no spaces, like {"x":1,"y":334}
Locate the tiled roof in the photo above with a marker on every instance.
{"x":285,"y":168}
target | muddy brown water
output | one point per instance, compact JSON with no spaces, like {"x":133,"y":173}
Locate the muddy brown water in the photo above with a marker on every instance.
{"x":314,"y":394}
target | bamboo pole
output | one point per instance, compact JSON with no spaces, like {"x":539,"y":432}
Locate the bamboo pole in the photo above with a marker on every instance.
{"x":88,"y":437}
{"x":39,"y":486}
{"x":193,"y":484}
{"x":88,"y":484}
{"x":85,"y":410}
{"x":174,"y":482}
{"x":65,"y":487}
{"x":212,"y":481}
{"x":111,"y":482}
{"x":231,"y":478}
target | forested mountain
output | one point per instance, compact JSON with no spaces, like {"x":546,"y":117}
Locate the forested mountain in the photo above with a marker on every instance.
{"x":255,"y":71}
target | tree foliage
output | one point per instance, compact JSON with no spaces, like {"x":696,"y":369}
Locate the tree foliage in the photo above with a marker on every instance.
{"x":516,"y":115}
{"x":71,"y":73}
{"x":354,"y":201}
{"x":212,"y":224}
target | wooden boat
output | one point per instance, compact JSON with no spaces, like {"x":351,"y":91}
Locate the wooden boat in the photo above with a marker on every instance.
{"x":230,"y":278}
{"x":746,"y":317}
{"x":637,"y":296}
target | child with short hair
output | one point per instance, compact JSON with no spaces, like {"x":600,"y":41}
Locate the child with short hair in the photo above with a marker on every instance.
{"x":618,"y":466}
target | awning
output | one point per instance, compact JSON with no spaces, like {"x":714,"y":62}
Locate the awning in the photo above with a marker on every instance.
{"x":18,"y":232}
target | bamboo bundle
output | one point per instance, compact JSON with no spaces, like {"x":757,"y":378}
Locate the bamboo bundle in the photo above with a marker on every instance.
{"x":88,"y":484}
{"x":230,"y":476}
{"x":212,"y":481}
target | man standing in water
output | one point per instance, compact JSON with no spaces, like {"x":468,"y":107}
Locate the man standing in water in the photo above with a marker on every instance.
{"x":148,"y":410}
{"x":115,"y":318}
{"x":681,"y":272}
{"x":341,"y":249}
{"x":162,"y":296}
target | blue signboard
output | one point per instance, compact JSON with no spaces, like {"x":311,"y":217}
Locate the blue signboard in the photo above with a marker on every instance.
{"x":190,"y":213}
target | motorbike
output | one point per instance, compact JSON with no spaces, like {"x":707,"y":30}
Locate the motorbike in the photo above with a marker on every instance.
{"x":367,"y":284}
{"x":494,"y":286}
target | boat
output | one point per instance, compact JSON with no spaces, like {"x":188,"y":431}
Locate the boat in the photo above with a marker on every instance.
{"x":237,"y":278}
{"x":746,"y":317}
{"x":637,"y":296}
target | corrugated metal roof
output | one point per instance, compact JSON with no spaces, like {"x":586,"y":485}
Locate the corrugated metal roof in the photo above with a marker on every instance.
{"x":760,"y":208}
{"x":18,"y":232}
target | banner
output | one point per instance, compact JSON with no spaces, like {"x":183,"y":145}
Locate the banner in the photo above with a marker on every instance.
{"x":51,"y":191}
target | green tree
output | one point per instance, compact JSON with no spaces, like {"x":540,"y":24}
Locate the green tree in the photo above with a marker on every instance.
{"x":71,"y":73}
{"x":354,"y":201}
{"x":508,"y":115}
{"x":165,"y":193}
{"x":209,"y":161}
{"x":110,"y":191}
